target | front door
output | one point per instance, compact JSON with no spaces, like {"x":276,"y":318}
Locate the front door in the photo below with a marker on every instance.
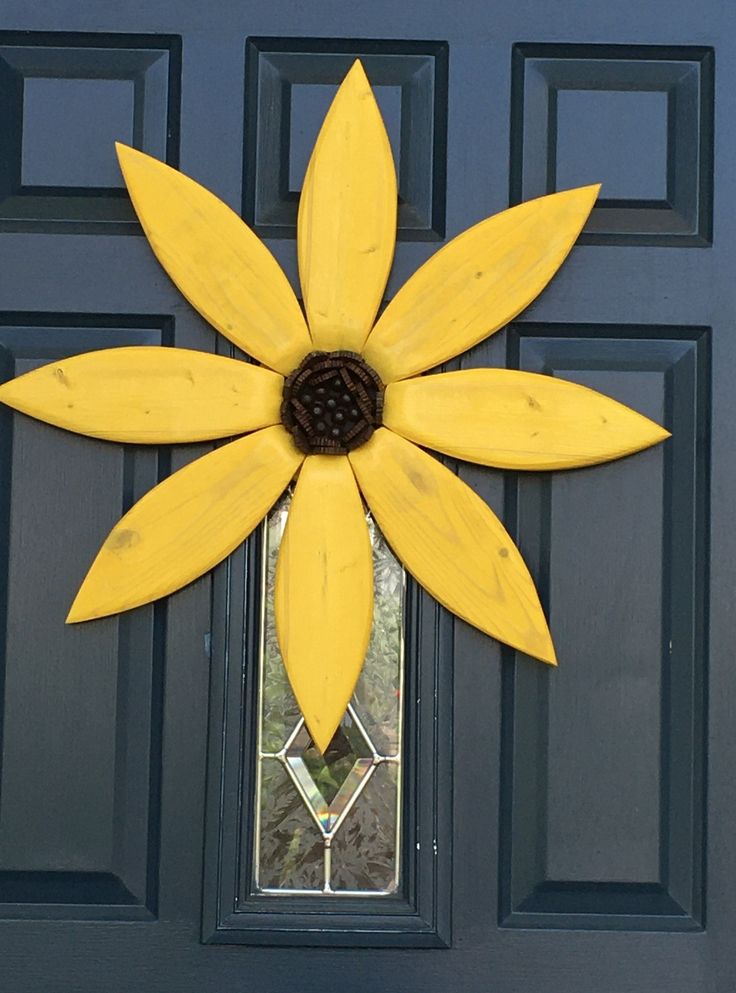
{"x":162,"y":815}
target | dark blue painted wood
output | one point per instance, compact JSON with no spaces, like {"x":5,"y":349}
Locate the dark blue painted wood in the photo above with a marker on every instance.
{"x":629,"y":761}
{"x":587,"y":851}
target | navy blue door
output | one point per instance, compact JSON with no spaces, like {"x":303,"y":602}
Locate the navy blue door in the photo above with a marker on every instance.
{"x":561,"y":834}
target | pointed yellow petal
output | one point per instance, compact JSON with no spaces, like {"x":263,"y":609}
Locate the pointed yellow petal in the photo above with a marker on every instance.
{"x":149,"y":395}
{"x":217,"y":262}
{"x":324,"y":592}
{"x":477,"y":283}
{"x":451,"y":542}
{"x":187,"y":524}
{"x":347,"y":219}
{"x":516,"y":420}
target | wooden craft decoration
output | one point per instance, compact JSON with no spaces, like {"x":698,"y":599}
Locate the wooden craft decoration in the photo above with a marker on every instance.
{"x":349,"y":417}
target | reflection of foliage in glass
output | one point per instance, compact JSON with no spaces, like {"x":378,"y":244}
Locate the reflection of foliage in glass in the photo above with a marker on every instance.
{"x":329,"y":771}
{"x":292,"y":857}
{"x":291,"y":848}
{"x":364,"y":850}
{"x":378,"y":693}
{"x":280,"y":710}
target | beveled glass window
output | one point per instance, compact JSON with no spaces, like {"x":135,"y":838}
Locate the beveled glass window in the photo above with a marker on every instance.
{"x":330,"y":824}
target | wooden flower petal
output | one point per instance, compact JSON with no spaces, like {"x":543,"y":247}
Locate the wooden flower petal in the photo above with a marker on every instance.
{"x":516,"y":420}
{"x":217,"y":262}
{"x":187,"y":524}
{"x":149,"y":395}
{"x":451,"y":542}
{"x":324,"y":592}
{"x":476,"y":284}
{"x":347,"y":218}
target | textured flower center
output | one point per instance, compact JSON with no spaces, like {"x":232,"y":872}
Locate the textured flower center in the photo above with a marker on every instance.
{"x":332,"y":403}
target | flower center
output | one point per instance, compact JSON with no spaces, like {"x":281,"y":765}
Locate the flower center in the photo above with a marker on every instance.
{"x":332,"y":403}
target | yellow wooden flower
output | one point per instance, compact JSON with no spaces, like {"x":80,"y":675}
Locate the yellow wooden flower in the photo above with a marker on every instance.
{"x":349,"y":417}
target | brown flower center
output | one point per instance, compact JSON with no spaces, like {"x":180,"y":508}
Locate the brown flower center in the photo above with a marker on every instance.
{"x":332,"y":403}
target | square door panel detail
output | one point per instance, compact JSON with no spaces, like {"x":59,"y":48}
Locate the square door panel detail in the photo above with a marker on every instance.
{"x":637,"y":119}
{"x":290,"y":84}
{"x":65,"y":99}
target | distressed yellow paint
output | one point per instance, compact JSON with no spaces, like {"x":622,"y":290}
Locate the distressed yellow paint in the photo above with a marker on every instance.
{"x":347,"y":219}
{"x":516,"y":420}
{"x":149,"y":395}
{"x":187,"y":524}
{"x":451,"y":542}
{"x":476,"y":284}
{"x":324,"y":592}
{"x":217,"y":262}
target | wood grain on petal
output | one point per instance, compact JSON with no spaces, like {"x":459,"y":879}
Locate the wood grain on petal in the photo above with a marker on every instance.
{"x":149,"y":395}
{"x":187,"y":524}
{"x":451,"y":542}
{"x":218,"y":263}
{"x":516,"y":420}
{"x":324,"y":592}
{"x":347,"y":218}
{"x":477,"y":283}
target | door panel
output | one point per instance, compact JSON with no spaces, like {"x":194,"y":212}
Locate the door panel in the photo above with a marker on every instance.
{"x":605,"y":785}
{"x":560,"y":830}
{"x":81,"y":716}
{"x":59,"y":89}
{"x":638,"y":117}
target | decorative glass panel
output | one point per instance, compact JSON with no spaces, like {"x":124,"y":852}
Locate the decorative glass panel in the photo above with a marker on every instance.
{"x":330,"y":823}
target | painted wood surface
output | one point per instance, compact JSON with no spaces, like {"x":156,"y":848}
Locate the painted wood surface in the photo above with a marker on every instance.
{"x":451,"y":542}
{"x":149,"y":395}
{"x":352,"y":154}
{"x":187,"y":524}
{"x":324,"y":592}
{"x":516,"y":420}
{"x":347,"y":219}
{"x":113,"y":732}
{"x":477,"y":283}
{"x":217,"y":262}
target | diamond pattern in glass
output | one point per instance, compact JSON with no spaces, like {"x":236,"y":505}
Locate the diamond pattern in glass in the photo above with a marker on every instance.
{"x":329,"y":783}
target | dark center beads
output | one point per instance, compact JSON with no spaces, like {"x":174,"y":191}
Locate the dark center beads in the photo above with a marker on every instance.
{"x":332,"y":403}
